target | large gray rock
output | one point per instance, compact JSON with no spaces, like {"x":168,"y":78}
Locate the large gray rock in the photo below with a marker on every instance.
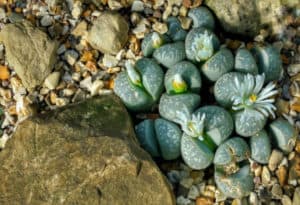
{"x":81,"y":154}
{"x":109,"y":33}
{"x":29,"y":51}
{"x":246,"y":17}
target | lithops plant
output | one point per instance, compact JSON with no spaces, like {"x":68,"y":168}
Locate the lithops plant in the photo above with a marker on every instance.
{"x":160,"y":137}
{"x":220,"y":63}
{"x":200,"y":44}
{"x":260,"y":146}
{"x":204,"y":130}
{"x":170,"y":54}
{"x":245,"y":62}
{"x":232,"y":176}
{"x":202,"y":17}
{"x":237,"y":185}
{"x":268,"y":61}
{"x":284,"y":134}
{"x":151,"y":42}
{"x":252,"y":104}
{"x":170,"y":104}
{"x":175,"y":31}
{"x":223,"y":88}
{"x":141,"y":85}
{"x":183,"y":77}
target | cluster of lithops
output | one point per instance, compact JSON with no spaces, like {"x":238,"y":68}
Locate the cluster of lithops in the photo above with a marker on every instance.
{"x":226,"y":134}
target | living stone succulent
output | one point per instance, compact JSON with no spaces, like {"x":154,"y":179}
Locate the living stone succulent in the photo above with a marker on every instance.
{"x":244,"y":90}
{"x":141,"y":85}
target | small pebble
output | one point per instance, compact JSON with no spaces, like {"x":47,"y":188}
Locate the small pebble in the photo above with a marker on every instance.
{"x":265,"y":175}
{"x":286,"y":200}
{"x":110,"y":61}
{"x":71,"y":56}
{"x":160,"y":27}
{"x":253,"y":199}
{"x":281,"y":174}
{"x":114,"y":5}
{"x":137,"y":6}
{"x":187,"y":182}
{"x":52,"y":80}
{"x":193,"y":193}
{"x":96,"y":86}
{"x":204,"y":201}
{"x":182,"y":201}
{"x":296,"y":197}
{"x":77,"y":9}
{"x":276,"y":191}
{"x":275,"y":159}
{"x":46,"y":21}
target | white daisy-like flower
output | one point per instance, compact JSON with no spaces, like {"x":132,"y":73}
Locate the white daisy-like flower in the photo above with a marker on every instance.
{"x":133,"y":74}
{"x":191,"y":124}
{"x":250,"y":94}
{"x":203,"y":46}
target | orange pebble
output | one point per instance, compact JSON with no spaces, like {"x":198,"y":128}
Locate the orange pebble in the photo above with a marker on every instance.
{"x":4,"y":73}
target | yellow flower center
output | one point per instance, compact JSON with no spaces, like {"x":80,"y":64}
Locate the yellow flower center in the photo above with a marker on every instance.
{"x":253,"y":98}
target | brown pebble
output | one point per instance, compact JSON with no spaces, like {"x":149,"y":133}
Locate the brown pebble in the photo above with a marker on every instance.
{"x":204,"y":201}
{"x":297,"y":147}
{"x":281,"y":174}
{"x":294,"y":171}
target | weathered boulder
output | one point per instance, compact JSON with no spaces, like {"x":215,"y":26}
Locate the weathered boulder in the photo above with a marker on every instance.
{"x":246,"y":17}
{"x":109,"y":33}
{"x":29,"y":51}
{"x":81,"y":154}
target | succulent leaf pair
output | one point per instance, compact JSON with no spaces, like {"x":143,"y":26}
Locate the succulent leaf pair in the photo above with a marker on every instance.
{"x":245,"y":94}
{"x":141,"y":85}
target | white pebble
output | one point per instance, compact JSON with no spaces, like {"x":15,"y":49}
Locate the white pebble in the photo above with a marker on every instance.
{"x":77,"y":9}
{"x":96,"y":86}
{"x":109,"y":61}
{"x":193,"y":192}
{"x":71,"y":56}
{"x":137,"y":6}
{"x":46,"y":21}
{"x":52,"y":80}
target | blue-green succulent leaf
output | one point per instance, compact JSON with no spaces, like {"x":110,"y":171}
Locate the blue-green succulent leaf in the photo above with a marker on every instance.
{"x":134,"y":98}
{"x":248,"y":122}
{"x":168,"y":136}
{"x":151,"y":42}
{"x":245,"y":62}
{"x":189,"y":73}
{"x":219,"y":64}
{"x":268,"y":61}
{"x":218,"y":122}
{"x":175,"y":31}
{"x":145,"y":133}
{"x":237,"y":185}
{"x":170,"y":54}
{"x":260,"y":145}
{"x":152,"y":77}
{"x":232,"y":151}
{"x":284,"y":134}
{"x":195,"y":153}
{"x":169,"y":104}
{"x":223,"y":89}
{"x":200,"y":44}
{"x":202,"y":17}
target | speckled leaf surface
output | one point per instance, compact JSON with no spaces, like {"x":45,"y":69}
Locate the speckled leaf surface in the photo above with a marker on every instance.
{"x":260,"y":146}
{"x":195,"y":153}
{"x":168,"y":136}
{"x":188,"y":72}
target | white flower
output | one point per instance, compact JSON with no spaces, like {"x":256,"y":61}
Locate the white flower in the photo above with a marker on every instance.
{"x":133,"y":74}
{"x":203,"y":46}
{"x":250,"y":94}
{"x":192,"y":125}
